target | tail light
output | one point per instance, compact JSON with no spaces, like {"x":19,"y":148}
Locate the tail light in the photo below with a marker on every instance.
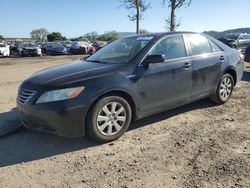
{"x":242,"y":57}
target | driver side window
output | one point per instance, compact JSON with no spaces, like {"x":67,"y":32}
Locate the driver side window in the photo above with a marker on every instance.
{"x":171,"y":47}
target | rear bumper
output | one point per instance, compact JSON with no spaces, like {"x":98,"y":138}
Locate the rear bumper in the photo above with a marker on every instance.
{"x":68,"y":122}
{"x":239,"y":71}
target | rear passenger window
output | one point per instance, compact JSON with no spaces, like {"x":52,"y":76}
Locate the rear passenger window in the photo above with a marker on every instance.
{"x":199,"y":44}
{"x":171,"y":47}
{"x":215,"y":48}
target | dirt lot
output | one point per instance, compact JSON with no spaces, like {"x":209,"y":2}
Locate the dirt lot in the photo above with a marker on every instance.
{"x":198,"y":145}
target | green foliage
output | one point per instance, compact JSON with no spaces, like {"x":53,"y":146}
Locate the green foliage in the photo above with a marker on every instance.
{"x":142,"y":31}
{"x":109,"y":36}
{"x":92,"y":36}
{"x":1,"y":37}
{"x":55,"y":36}
{"x":39,"y":34}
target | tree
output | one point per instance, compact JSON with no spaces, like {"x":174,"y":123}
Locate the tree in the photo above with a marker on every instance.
{"x":136,"y":8}
{"x":109,"y":36}
{"x":39,"y":34}
{"x":172,"y":23}
{"x":142,"y":31}
{"x":1,"y":37}
{"x":90,"y":36}
{"x":55,"y":36}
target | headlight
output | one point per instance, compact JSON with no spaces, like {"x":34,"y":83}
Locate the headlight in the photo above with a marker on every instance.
{"x":59,"y":95}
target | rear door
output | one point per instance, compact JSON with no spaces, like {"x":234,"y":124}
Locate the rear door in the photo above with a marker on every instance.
{"x":207,"y":58}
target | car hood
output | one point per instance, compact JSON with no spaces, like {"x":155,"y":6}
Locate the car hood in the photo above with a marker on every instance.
{"x":59,"y":49}
{"x":71,"y":73}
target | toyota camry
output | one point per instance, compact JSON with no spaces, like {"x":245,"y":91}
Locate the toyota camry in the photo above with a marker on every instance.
{"x":127,"y":80}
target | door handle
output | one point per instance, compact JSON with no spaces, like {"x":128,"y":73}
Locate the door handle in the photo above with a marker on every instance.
{"x":132,"y":77}
{"x":187,"y":65}
{"x":222,"y":58}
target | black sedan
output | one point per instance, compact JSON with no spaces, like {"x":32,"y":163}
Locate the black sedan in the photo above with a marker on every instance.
{"x":127,"y":80}
{"x":29,"y":49}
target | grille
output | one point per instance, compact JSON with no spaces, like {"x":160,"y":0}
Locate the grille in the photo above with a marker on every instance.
{"x":31,"y":50}
{"x":25,"y":96}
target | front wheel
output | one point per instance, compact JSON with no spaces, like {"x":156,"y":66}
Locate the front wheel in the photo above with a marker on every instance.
{"x":224,"y":89}
{"x":109,"y":118}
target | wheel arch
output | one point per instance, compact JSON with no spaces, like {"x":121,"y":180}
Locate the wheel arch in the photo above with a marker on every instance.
{"x":232,"y":72}
{"x":119,"y":93}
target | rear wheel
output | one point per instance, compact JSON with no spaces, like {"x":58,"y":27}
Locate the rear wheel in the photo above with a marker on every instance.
{"x":109,"y":118}
{"x":224,"y":89}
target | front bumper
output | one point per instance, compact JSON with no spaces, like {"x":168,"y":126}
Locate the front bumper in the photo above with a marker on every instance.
{"x":31,"y":53}
{"x":3,"y":54}
{"x":54,"y":118}
{"x":55,"y":52}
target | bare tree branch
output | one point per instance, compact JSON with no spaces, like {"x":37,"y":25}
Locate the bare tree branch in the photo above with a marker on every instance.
{"x":136,"y":8}
{"x":172,"y":23}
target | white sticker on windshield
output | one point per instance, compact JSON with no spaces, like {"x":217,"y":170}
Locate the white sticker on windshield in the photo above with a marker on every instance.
{"x":144,"y":38}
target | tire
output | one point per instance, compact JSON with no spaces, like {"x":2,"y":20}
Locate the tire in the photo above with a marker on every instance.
{"x":224,"y":89}
{"x":105,"y":129}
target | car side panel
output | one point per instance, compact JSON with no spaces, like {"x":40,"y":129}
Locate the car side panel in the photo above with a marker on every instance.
{"x":165,"y":84}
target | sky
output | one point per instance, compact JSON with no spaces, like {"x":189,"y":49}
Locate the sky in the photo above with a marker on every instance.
{"x":74,"y":18}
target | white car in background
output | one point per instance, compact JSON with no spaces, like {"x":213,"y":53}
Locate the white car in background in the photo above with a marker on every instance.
{"x":82,"y":48}
{"x":4,"y":50}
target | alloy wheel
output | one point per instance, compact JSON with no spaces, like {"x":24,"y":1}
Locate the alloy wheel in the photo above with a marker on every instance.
{"x":111,"y":119}
{"x":226,"y":88}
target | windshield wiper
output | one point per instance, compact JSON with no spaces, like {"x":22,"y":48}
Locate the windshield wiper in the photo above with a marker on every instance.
{"x":95,"y":61}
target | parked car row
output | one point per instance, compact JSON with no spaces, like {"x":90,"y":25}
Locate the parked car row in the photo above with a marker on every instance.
{"x":50,"y":48}
{"x":241,"y":42}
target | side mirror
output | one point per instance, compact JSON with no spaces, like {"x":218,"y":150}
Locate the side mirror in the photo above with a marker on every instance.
{"x":155,"y":58}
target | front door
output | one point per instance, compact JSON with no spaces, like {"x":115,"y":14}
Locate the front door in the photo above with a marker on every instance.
{"x":166,"y":84}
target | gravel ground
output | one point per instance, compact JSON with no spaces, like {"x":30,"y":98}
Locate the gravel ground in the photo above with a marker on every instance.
{"x":198,"y":145}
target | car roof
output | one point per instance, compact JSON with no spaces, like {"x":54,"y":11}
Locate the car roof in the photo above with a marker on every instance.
{"x":158,"y":34}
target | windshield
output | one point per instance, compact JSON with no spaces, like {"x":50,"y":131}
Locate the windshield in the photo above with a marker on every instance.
{"x":232,"y":36}
{"x":56,"y":45}
{"x":244,"y":37}
{"x":25,"y":45}
{"x":120,"y":51}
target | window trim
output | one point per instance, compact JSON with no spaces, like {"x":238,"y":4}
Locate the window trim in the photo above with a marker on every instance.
{"x":204,"y":54}
{"x":163,"y":38}
{"x":212,"y":42}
